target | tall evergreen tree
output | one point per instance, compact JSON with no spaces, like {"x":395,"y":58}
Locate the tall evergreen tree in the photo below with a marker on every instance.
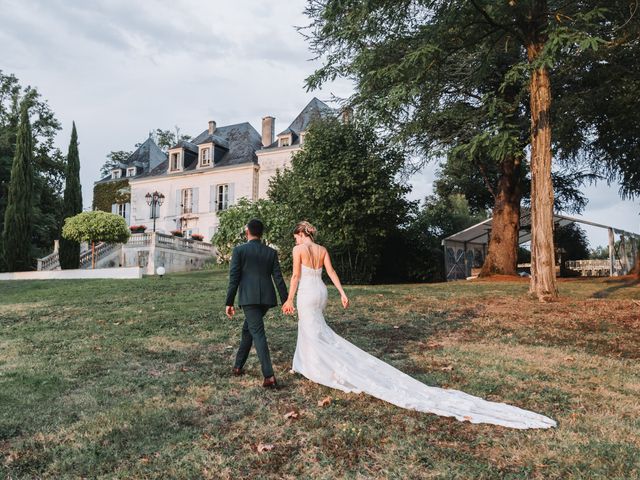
{"x":69,"y":249}
{"x":17,"y":218}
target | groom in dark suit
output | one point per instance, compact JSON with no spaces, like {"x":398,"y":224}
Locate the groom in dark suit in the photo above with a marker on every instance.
{"x":254,"y":268}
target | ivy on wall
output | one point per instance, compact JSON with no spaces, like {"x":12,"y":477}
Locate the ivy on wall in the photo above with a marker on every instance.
{"x":108,"y":193}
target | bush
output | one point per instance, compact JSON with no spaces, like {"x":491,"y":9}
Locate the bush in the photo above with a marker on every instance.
{"x":176,"y":233}
{"x":137,"y":228}
{"x":278,"y":224}
{"x":197,"y":237}
{"x":96,"y":226}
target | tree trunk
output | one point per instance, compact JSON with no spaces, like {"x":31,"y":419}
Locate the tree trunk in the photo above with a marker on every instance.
{"x":502,"y":254}
{"x":543,"y":269}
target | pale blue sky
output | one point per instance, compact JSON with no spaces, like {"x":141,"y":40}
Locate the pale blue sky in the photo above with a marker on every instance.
{"x":121,"y":68}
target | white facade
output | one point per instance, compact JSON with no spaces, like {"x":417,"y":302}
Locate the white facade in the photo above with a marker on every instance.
{"x":270,"y":161}
{"x":192,"y":199}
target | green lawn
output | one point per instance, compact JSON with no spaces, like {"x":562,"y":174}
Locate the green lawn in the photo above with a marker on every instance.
{"x":131,"y":379}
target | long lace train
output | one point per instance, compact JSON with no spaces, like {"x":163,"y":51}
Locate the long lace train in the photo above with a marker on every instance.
{"x":326,"y":358}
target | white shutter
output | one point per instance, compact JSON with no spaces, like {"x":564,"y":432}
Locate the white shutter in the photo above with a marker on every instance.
{"x":114,"y":208}
{"x":127,"y":213}
{"x":231,"y":194}
{"x":212,"y":198}
{"x":178,"y":201}
{"x":195,"y":200}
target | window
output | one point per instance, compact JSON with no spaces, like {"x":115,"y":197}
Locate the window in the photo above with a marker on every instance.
{"x":205,"y":156}
{"x":222,"y":197}
{"x":116,"y":173}
{"x":285,"y":141}
{"x":175,"y":161}
{"x":131,"y":172}
{"x":187,"y":200}
{"x":121,"y":209}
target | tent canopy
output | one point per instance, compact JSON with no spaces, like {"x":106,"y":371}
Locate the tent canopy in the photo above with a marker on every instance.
{"x":478,"y":234}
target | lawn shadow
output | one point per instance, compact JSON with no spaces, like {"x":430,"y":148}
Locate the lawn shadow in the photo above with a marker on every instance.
{"x":617,"y":284}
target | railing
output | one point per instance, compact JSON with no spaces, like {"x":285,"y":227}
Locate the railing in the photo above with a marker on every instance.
{"x":183,"y":244}
{"x":50,"y":262}
{"x":101,"y":251}
{"x":140,"y":239}
{"x":590,"y":268}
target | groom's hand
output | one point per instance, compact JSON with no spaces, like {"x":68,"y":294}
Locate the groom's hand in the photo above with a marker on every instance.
{"x":230,"y":311}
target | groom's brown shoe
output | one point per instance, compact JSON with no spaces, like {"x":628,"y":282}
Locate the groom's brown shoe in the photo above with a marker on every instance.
{"x":270,"y":382}
{"x":237,"y":371}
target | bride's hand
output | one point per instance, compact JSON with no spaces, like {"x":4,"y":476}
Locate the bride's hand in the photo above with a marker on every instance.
{"x":345,"y":301}
{"x":287,"y":308}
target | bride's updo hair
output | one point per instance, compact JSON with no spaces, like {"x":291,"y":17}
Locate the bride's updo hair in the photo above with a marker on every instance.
{"x":305,"y":228}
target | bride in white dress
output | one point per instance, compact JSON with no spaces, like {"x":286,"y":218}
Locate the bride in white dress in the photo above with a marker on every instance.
{"x":326,"y":358}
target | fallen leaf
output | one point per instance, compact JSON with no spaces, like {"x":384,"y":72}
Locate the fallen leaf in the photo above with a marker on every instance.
{"x":448,"y":368}
{"x":570,"y":359}
{"x":264,"y":447}
{"x":396,"y":326}
{"x":324,"y":402}
{"x":292,"y":414}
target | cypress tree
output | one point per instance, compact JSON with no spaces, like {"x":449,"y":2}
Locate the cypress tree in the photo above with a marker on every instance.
{"x":17,"y":217}
{"x":70,"y":250}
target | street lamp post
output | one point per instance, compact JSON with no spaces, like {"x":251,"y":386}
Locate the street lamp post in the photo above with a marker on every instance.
{"x":154,"y":200}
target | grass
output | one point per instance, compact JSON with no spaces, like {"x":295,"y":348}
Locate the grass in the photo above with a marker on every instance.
{"x":131,"y":379}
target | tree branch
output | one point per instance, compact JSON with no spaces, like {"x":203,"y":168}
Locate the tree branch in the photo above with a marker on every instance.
{"x":495,"y":24}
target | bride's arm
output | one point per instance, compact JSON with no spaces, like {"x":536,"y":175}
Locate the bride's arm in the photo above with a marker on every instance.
{"x":335,"y":279}
{"x":295,"y":279}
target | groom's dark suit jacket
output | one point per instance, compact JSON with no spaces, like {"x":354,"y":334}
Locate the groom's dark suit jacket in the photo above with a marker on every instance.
{"x":254,"y":268}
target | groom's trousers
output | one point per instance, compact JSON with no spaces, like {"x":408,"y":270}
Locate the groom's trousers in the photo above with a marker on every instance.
{"x":253,"y":332}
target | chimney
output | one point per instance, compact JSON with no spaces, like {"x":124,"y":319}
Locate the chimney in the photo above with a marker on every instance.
{"x":212,"y":127}
{"x":268,"y":130}
{"x":347,"y":114}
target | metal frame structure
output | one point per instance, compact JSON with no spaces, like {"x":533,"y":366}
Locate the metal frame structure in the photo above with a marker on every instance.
{"x":467,"y":249}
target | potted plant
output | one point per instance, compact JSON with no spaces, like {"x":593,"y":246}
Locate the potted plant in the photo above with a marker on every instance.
{"x":137,"y":228}
{"x":196,"y":236}
{"x":176,"y":233}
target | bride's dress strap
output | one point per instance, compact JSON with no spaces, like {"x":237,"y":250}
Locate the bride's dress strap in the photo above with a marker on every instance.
{"x":311,"y":259}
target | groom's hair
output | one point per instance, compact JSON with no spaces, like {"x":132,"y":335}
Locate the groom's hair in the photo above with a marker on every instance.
{"x":255,"y":227}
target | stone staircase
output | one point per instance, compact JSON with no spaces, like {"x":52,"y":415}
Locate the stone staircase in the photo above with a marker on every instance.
{"x":105,"y":254}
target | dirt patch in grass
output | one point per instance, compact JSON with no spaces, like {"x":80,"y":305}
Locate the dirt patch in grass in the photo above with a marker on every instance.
{"x":162,"y":344}
{"x":610,"y":328}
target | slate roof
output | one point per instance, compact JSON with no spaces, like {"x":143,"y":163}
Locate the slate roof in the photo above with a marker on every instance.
{"x":147,"y":156}
{"x":315,"y":109}
{"x":242,"y":139}
{"x":205,"y":137}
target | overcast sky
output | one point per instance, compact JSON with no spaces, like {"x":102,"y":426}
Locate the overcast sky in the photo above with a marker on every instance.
{"x":121,"y":68}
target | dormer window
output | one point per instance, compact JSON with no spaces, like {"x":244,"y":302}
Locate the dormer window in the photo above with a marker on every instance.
{"x":175,"y":163}
{"x":205,"y":156}
{"x":284,"y":141}
{"x":116,"y":173}
{"x":131,"y":172}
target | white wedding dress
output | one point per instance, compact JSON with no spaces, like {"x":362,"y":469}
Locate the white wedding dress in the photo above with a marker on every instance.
{"x":328,"y":359}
